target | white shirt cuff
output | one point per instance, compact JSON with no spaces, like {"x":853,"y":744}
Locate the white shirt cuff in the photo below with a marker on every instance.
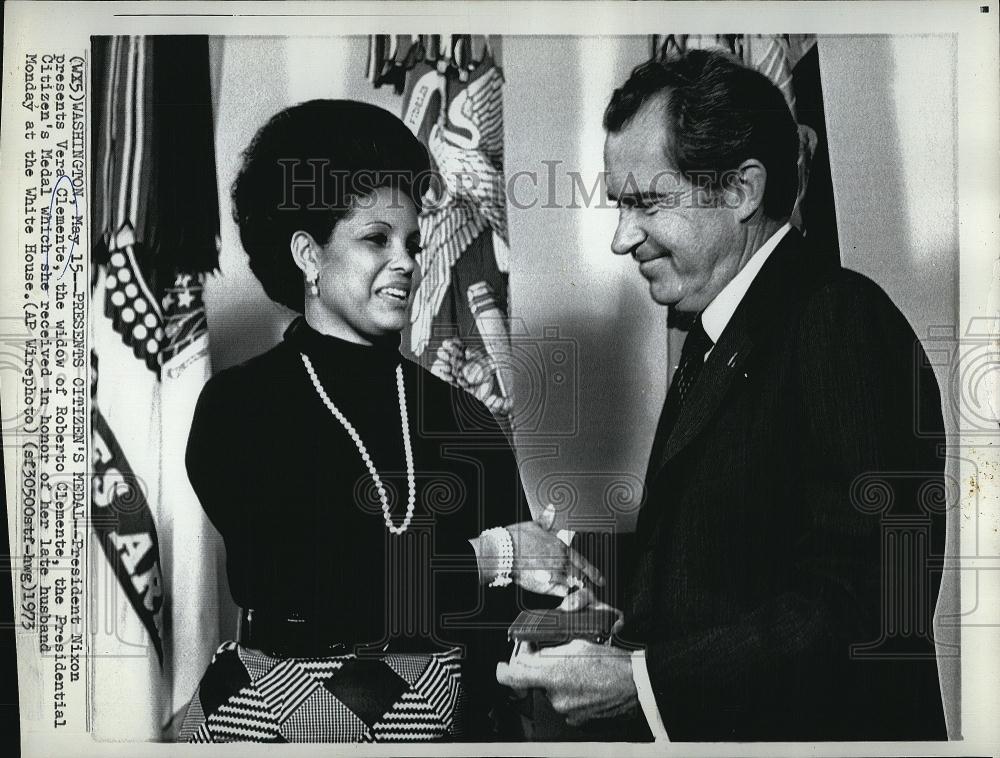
{"x":647,"y":700}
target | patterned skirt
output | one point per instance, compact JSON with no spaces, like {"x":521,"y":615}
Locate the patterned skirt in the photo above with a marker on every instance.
{"x":249,"y":696}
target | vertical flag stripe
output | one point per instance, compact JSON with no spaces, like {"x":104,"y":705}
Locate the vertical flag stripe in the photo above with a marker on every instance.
{"x":138,"y":131}
{"x":127,"y":135}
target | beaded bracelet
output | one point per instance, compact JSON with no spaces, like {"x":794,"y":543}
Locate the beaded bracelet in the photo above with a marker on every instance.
{"x":506,"y":557}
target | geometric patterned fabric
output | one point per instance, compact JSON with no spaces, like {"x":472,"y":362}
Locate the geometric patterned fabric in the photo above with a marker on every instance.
{"x":249,"y":696}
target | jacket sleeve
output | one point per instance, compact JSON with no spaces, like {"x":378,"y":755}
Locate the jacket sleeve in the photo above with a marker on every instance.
{"x":858,"y":390}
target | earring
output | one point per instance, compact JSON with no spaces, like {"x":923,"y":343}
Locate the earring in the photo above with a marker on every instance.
{"x":313,"y":283}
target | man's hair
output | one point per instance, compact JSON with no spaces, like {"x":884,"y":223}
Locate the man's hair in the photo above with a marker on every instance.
{"x":302,"y":171}
{"x":718,"y":113}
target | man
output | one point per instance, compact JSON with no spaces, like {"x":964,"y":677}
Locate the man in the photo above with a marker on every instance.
{"x":764,"y":599}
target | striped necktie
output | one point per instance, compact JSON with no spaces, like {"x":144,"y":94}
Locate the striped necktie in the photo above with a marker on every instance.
{"x":696,"y":345}
{"x":692,"y":359}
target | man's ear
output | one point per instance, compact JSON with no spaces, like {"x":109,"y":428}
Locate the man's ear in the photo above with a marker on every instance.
{"x":748,"y":187}
{"x":303,"y":249}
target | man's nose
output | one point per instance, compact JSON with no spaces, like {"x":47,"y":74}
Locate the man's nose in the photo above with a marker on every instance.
{"x":628,"y":235}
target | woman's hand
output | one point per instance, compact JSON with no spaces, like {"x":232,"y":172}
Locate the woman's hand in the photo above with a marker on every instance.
{"x":543,"y":563}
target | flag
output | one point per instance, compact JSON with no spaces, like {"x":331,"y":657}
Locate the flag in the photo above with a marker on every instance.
{"x":155,"y":224}
{"x":453,"y":102}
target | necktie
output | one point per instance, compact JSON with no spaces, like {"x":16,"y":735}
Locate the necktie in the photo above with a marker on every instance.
{"x":696,"y":345}
{"x":692,"y":359}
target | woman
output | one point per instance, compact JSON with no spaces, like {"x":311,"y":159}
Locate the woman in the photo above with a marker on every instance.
{"x":360,"y":500}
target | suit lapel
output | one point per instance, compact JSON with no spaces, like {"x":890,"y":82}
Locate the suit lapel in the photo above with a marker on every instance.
{"x":783,"y":279}
{"x":717,"y":376}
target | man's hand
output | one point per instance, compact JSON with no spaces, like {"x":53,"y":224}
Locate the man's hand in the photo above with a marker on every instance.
{"x":583,"y":680}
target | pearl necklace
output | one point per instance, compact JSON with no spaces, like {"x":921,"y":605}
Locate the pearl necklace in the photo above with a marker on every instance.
{"x":404,"y":422}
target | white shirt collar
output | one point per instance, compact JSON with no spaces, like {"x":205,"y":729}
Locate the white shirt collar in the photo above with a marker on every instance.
{"x":718,"y":313}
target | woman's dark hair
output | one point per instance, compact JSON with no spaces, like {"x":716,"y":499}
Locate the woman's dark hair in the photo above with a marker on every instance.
{"x":303,"y":169}
{"x":718,"y":113}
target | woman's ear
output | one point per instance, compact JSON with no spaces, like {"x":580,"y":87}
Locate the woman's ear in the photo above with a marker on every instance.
{"x":303,"y":249}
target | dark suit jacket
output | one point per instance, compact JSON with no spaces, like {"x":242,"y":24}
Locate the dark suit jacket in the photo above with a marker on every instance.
{"x":781,"y":586}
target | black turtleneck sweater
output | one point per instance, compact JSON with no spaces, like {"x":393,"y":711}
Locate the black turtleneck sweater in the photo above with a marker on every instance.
{"x":286,"y":487}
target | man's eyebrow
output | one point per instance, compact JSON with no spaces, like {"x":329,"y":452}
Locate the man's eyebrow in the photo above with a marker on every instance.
{"x":639,"y":198}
